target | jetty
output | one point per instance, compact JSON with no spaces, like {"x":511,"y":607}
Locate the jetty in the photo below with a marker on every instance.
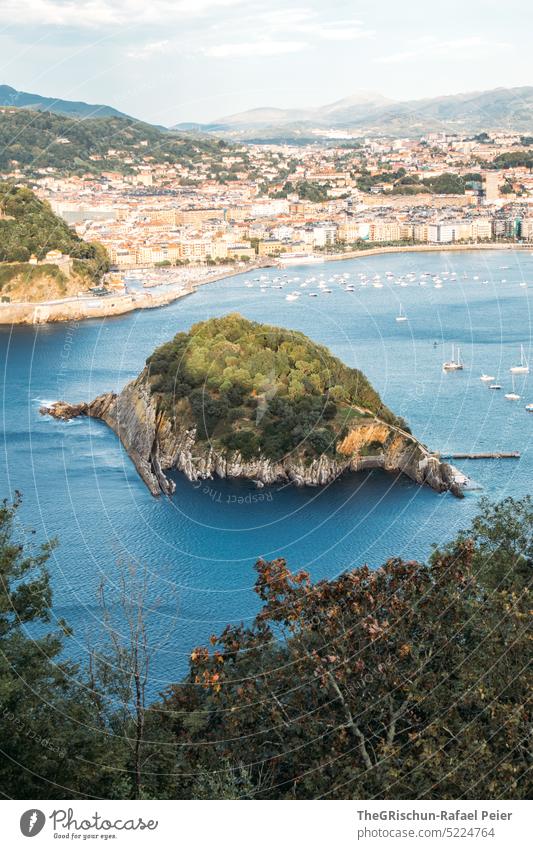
{"x":487,"y":455}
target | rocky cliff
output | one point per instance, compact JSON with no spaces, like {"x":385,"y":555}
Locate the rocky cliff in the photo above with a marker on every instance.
{"x":158,"y":442}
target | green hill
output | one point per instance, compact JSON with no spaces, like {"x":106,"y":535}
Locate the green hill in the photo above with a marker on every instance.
{"x":260,"y":389}
{"x":75,"y":108}
{"x":29,"y":227}
{"x":32,"y":141}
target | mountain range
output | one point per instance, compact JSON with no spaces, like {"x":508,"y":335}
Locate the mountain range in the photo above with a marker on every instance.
{"x":501,"y":108}
{"x":364,"y":111}
{"x":73,"y":108}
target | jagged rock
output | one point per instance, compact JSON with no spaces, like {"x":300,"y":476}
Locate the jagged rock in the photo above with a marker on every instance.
{"x":157,"y":444}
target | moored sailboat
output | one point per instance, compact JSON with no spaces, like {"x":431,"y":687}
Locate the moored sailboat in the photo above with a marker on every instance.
{"x":455,"y":363}
{"x":523,"y":368}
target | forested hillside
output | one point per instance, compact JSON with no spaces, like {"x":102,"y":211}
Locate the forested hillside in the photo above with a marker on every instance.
{"x":260,"y":389}
{"x":36,"y":140}
{"x":29,"y":227}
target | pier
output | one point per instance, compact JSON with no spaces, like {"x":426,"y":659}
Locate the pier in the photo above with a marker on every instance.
{"x":488,"y":455}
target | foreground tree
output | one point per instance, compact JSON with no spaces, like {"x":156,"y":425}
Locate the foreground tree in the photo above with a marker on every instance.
{"x":50,"y":744}
{"x":410,"y":681}
{"x":121,"y":675}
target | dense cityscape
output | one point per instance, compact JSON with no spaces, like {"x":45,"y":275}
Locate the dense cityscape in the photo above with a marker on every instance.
{"x":324,"y":208}
{"x":267,"y":200}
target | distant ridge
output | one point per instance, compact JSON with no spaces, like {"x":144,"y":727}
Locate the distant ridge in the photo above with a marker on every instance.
{"x":73,"y":108}
{"x":501,"y":108}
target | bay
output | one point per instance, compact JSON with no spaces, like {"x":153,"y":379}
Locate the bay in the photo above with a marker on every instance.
{"x":200,"y":546}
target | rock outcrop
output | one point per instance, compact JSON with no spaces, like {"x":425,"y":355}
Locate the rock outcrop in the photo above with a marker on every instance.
{"x":158,"y":443}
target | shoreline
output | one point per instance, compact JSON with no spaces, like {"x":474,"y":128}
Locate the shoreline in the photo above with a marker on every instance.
{"x":84,"y":309}
{"x":402,"y":249}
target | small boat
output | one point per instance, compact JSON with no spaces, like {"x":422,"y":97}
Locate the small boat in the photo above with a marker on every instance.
{"x":293,"y":297}
{"x":401,"y":315}
{"x":487,"y":378}
{"x":438,"y":285}
{"x":512,"y":396}
{"x":523,"y":368}
{"x":529,"y":408}
{"x":454,"y":364}
{"x":495,"y":386}
{"x":313,"y":294}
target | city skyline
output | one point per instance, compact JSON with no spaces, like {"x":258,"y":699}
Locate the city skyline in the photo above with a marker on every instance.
{"x":200,"y":61}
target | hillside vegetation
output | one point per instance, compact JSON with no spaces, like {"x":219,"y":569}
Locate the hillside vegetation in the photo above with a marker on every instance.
{"x":31,"y":228}
{"x":260,"y":389}
{"x":75,"y":108}
{"x":37,"y":140}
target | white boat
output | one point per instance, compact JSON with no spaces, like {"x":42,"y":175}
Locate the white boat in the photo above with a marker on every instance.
{"x":401,"y":315}
{"x":523,"y":368}
{"x":512,"y":396}
{"x":455,"y":363}
{"x":377,"y":284}
{"x":293,"y":297}
{"x":495,"y":386}
{"x":487,"y":378}
{"x":529,"y":407}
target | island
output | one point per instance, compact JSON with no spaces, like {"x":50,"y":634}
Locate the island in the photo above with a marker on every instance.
{"x":234,"y":398}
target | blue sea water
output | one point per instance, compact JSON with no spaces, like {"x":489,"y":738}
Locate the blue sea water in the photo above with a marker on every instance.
{"x":200,"y":546}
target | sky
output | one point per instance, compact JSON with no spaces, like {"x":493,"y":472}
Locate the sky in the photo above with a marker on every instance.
{"x":167,"y":61}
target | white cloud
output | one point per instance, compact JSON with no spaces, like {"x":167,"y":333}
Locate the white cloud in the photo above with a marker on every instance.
{"x":343,"y":31}
{"x":303,"y":21}
{"x":101,"y":13}
{"x":395,"y":58}
{"x":253,"y":48}
{"x":146,"y":51}
{"x":432,"y":47}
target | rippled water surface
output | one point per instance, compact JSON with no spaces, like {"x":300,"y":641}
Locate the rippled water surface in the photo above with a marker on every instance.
{"x":80,"y":487}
